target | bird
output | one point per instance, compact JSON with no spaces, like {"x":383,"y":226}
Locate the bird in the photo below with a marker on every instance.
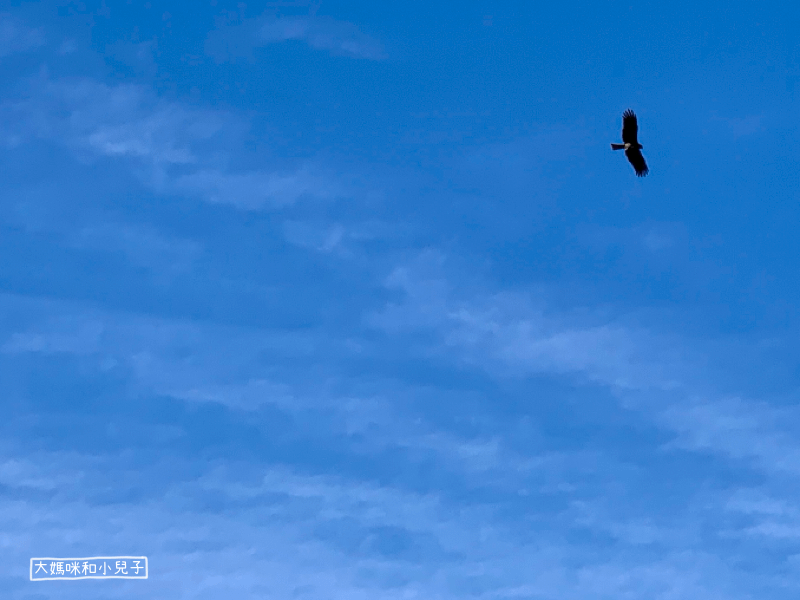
{"x":631,"y":145}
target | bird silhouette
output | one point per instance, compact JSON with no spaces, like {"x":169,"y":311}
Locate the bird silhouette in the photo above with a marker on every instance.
{"x":631,"y":145}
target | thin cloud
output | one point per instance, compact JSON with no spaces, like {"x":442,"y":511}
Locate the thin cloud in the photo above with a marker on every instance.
{"x":653,"y":238}
{"x":152,"y":352}
{"x":339,"y":239}
{"x":740,"y":430}
{"x":743,"y":126}
{"x":256,"y":189}
{"x":16,"y":37}
{"x":664,"y":378}
{"x":324,"y":532}
{"x":172,"y":148}
{"x":305,"y":235}
{"x":321,"y":33}
{"x":483,"y":441}
{"x":347,"y":530}
{"x":118,"y":121}
{"x":138,"y":56}
{"x":510,"y":333}
{"x":142,"y":246}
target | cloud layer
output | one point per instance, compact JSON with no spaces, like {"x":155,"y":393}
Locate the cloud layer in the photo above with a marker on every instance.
{"x":290,"y":340}
{"x":319,"y":32}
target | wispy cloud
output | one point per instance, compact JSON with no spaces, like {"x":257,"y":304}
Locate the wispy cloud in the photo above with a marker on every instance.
{"x":209,"y":532}
{"x":123,"y":121}
{"x":655,"y":238}
{"x":142,"y":246}
{"x":738,"y":429}
{"x":171,"y":147}
{"x":137,"y":55}
{"x":337,"y":238}
{"x":314,"y":238}
{"x":316,"y":406}
{"x":206,"y":364}
{"x":16,"y":37}
{"x":73,"y":224}
{"x":512,"y":333}
{"x":365,"y":532}
{"x":742,"y":126}
{"x":666,"y":378}
{"x":257,"y":189}
{"x":321,"y":33}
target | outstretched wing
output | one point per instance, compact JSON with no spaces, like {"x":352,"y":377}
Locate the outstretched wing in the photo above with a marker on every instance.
{"x":630,"y":128}
{"x":637,"y":160}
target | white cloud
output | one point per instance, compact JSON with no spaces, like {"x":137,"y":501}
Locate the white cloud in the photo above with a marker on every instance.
{"x":753,"y":501}
{"x":205,"y":363}
{"x":510,"y":333}
{"x":738,"y":429}
{"x":28,"y":473}
{"x":67,"y":223}
{"x":16,"y":37}
{"x":321,"y":33}
{"x":653,"y":238}
{"x":171,"y":147}
{"x":123,"y":121}
{"x":668,"y":380}
{"x":63,"y":336}
{"x":742,"y":126}
{"x":143,"y":246}
{"x":339,"y":239}
{"x":137,"y":55}
{"x":356,"y":535}
{"x":285,"y":533}
{"x":305,"y":235}
{"x":256,"y":189}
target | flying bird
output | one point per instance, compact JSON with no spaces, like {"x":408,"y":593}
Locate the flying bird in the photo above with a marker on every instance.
{"x":630,"y":144}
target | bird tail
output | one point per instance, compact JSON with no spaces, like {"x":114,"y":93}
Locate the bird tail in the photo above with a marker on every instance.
{"x":617,"y":146}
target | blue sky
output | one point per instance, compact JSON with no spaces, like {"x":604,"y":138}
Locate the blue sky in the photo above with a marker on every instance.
{"x":353,"y":300}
